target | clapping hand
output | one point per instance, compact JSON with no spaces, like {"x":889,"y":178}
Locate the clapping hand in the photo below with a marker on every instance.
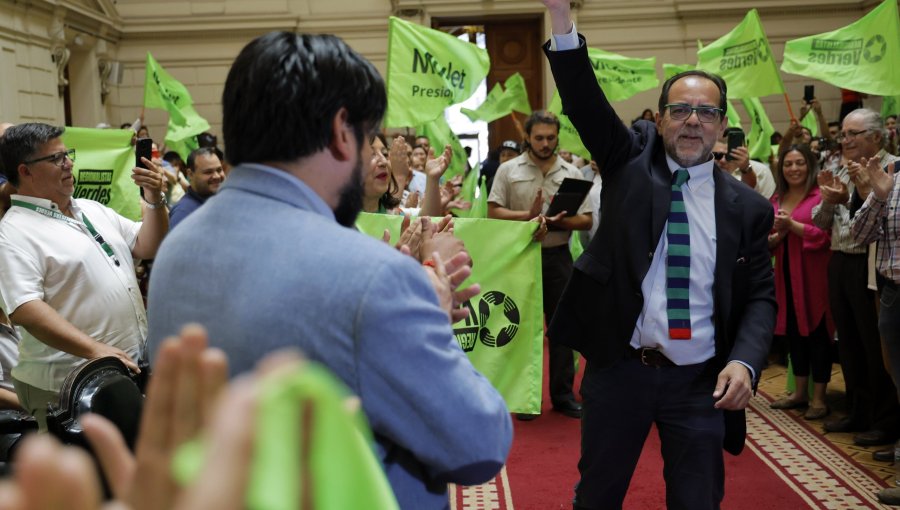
{"x":833,"y":189}
{"x":881,"y":182}
{"x":782,"y":221}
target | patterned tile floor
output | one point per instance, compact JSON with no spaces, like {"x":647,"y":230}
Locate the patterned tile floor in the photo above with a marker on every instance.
{"x":774,"y":383}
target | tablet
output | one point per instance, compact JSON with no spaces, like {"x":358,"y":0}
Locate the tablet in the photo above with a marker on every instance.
{"x":569,"y":197}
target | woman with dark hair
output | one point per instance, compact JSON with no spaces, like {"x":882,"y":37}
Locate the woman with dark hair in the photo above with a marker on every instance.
{"x":802,"y":251}
{"x":379,"y":186}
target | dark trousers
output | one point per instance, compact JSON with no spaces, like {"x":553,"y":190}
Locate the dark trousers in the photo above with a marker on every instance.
{"x":807,"y":352}
{"x":557,"y":268}
{"x":889,"y":326}
{"x":621,"y":402}
{"x":871,"y":399}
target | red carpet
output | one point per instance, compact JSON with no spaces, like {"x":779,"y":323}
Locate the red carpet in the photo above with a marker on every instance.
{"x":786,"y":465}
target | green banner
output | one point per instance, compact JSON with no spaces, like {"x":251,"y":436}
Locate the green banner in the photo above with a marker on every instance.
{"x":439,"y":135}
{"x":500,"y":103}
{"x":670,"y":70}
{"x":163,"y":91}
{"x":427,"y":71}
{"x":862,"y":56}
{"x":890,"y":105}
{"x":504,"y":334}
{"x":810,"y":122}
{"x":744,"y":59}
{"x":102,"y":168}
{"x":759,"y":139}
{"x":734,"y":118}
{"x":621,"y":77}
{"x":568,"y":136}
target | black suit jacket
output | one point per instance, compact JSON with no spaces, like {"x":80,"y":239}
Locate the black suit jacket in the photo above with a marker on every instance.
{"x":601,"y":304}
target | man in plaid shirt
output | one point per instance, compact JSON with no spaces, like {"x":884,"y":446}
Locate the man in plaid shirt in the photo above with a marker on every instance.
{"x":877,"y":220}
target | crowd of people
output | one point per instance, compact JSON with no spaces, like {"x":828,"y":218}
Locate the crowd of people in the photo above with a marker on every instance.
{"x":695,"y":256}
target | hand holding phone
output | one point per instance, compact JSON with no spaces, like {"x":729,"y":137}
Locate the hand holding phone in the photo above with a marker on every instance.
{"x":735,"y":140}
{"x":809,"y":93}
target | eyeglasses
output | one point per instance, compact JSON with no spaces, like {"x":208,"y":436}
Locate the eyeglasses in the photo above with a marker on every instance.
{"x":58,"y":158}
{"x":843,"y":135}
{"x":705,"y":114}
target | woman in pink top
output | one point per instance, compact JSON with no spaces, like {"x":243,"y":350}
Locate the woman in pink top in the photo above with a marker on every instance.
{"x":802,"y":251}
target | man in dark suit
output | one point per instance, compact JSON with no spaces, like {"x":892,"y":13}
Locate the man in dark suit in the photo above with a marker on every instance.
{"x":673,"y":302}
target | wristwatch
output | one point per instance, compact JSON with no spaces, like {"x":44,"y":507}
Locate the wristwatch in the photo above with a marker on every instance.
{"x":158,"y":204}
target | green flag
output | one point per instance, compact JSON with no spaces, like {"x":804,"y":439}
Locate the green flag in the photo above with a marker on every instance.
{"x":890,"y":105}
{"x":103,"y":167}
{"x":439,"y":134}
{"x":427,"y":71}
{"x":670,"y":70}
{"x":504,"y":334}
{"x":568,"y":136}
{"x":734,"y":118}
{"x":304,"y":430}
{"x":500,"y":103}
{"x":621,"y":77}
{"x":163,"y":91}
{"x":761,"y":129}
{"x":744,"y":60}
{"x":479,"y":203}
{"x":468,"y":191}
{"x":810,"y":122}
{"x":862,"y":56}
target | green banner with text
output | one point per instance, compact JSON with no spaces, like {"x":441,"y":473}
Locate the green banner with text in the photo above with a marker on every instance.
{"x":102,"y":169}
{"x":504,"y":333}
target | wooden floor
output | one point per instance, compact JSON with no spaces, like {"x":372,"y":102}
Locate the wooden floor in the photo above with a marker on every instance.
{"x":774,"y":383}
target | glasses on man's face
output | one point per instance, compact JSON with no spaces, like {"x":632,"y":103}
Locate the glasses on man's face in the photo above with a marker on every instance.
{"x":705,"y":114}
{"x":846,"y":135}
{"x":58,"y":158}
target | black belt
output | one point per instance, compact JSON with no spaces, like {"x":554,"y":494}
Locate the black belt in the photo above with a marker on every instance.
{"x":649,"y":357}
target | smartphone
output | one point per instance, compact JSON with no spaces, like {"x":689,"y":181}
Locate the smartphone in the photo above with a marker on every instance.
{"x":735,"y":140}
{"x":143,"y":148}
{"x":809,"y":92}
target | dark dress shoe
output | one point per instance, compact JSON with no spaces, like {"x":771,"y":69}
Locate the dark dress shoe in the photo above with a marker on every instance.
{"x":570,"y":408}
{"x":845,"y":424}
{"x":886,"y":455}
{"x":890,"y":496}
{"x":872,"y":437}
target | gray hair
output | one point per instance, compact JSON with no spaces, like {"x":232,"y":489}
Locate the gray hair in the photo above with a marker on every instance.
{"x":873,"y":122}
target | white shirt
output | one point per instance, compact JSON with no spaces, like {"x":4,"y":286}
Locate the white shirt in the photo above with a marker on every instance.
{"x":652,"y":328}
{"x":9,"y":355}
{"x":61,"y":264}
{"x":765,"y":182}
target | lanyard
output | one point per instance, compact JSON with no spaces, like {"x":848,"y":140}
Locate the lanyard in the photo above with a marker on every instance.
{"x":62,"y":217}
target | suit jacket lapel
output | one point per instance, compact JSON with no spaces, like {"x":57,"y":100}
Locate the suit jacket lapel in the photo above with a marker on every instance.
{"x":661,"y":190}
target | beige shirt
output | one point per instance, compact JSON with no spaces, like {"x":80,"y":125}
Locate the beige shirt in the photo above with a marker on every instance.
{"x":765,"y":182}
{"x":518,"y":181}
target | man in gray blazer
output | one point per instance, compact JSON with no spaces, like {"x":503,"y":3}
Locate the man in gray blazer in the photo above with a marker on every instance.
{"x":269,"y":262}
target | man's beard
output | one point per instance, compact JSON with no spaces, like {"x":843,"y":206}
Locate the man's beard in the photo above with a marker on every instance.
{"x":350,"y":202}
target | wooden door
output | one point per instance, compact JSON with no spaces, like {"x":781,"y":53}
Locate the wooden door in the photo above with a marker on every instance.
{"x":514,"y":45}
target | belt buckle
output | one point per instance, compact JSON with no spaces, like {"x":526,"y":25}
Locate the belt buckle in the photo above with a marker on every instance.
{"x":644,"y":360}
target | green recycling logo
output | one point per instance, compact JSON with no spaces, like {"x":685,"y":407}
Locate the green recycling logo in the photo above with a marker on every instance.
{"x":762,"y":50}
{"x":875,"y":49}
{"x":495,"y":323}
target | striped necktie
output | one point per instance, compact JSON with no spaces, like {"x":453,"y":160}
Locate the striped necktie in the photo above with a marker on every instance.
{"x":678,"y":265}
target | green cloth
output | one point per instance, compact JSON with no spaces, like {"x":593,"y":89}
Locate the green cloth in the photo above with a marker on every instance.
{"x":734,"y":118}
{"x":810,"y":122}
{"x":163,"y":91}
{"x":759,"y":139}
{"x":861,"y":56}
{"x":504,"y":334}
{"x":670,"y":70}
{"x":568,"y":136}
{"x":500,"y":103}
{"x":744,"y":60}
{"x":439,"y":135}
{"x":620,"y":77}
{"x":890,"y":106}
{"x":104,"y":159}
{"x":427,"y":71}
{"x":332,"y":464}
{"x":468,"y":191}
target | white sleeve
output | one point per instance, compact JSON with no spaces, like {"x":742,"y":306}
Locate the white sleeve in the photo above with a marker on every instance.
{"x":566,"y":41}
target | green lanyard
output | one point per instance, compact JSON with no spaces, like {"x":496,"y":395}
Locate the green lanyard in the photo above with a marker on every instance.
{"x":62,"y":217}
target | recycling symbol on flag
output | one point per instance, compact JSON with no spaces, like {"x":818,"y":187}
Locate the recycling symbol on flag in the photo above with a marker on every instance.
{"x":875,"y":48}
